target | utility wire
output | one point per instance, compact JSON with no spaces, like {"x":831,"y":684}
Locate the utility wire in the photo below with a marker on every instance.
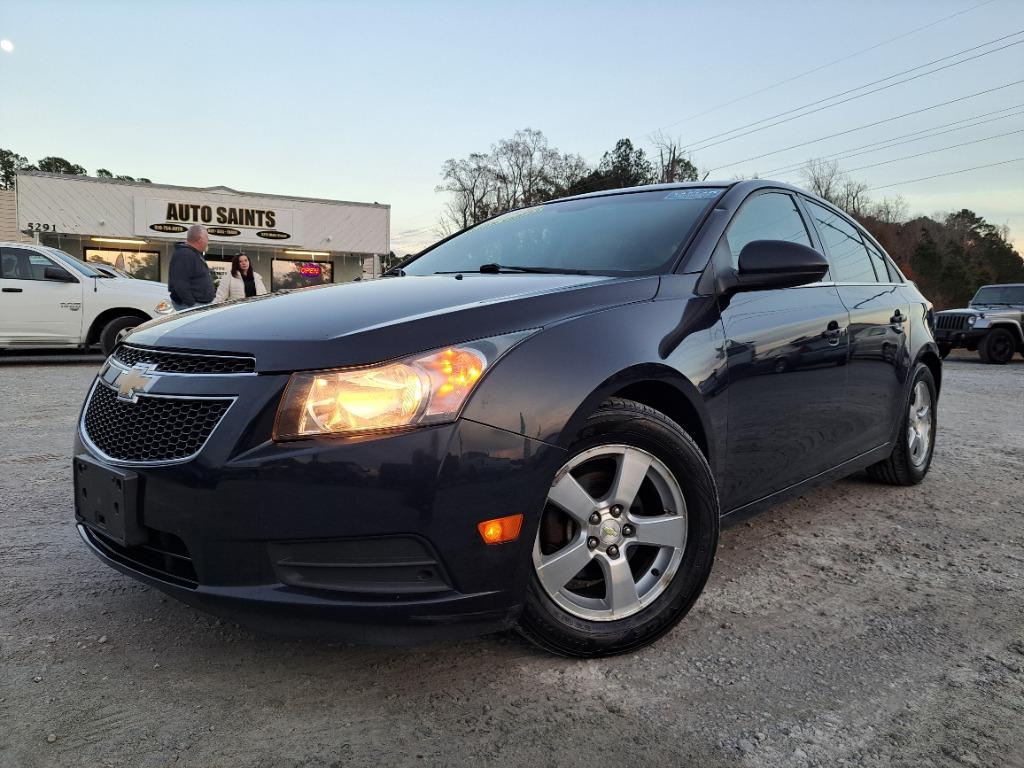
{"x":823,"y":66}
{"x":932,"y":152}
{"x":869,"y":84}
{"x":892,"y":142}
{"x":710,"y":143}
{"x":872,"y":125}
{"x":950,"y":173}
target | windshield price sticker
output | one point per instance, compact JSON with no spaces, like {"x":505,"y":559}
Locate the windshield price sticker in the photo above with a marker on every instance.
{"x":693,"y":194}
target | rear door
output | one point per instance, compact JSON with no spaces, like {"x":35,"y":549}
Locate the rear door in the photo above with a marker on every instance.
{"x":35,"y":310}
{"x":786,"y":350}
{"x":879,"y":328}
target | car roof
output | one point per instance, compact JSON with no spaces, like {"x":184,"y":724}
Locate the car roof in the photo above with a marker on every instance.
{"x":1002,"y":285}
{"x":748,"y":184}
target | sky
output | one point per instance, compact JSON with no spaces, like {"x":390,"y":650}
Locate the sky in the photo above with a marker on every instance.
{"x":364,"y":101}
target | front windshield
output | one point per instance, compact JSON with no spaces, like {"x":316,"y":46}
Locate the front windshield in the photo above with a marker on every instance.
{"x":626,"y":234}
{"x":999,"y":294}
{"x":76,"y":264}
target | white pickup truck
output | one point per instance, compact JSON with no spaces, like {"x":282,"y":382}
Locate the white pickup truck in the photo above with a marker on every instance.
{"x":49,"y":298}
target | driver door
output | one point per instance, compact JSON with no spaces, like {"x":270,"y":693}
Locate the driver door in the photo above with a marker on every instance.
{"x":35,"y":310}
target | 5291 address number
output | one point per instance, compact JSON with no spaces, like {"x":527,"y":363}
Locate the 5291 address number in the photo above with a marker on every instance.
{"x":35,"y":226}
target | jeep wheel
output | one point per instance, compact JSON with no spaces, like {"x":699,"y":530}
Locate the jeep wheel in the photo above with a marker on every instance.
{"x":997,"y":347}
{"x":627,"y":537}
{"x":111,"y":331}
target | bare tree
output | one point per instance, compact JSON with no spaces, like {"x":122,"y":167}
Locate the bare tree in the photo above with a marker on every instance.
{"x":519,"y":171}
{"x":853,"y":197}
{"x":472,"y":185}
{"x":672,"y":164}
{"x":823,"y":178}
{"x":890,"y":210}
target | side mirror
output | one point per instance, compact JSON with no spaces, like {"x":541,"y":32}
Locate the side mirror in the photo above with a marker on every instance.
{"x":58,"y":274}
{"x":766,"y":264}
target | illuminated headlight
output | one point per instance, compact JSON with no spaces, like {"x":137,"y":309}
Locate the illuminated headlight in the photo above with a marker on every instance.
{"x":427,"y":388}
{"x":971,"y":320}
{"x":163,"y":308}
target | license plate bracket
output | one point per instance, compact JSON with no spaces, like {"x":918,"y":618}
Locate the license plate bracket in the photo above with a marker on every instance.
{"x":107,"y":500}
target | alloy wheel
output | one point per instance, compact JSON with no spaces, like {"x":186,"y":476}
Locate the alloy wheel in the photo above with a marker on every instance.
{"x":919,"y":424}
{"x":613,"y":533}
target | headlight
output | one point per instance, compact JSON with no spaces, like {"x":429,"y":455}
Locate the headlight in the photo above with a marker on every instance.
{"x":164,"y":307}
{"x":971,"y":320}
{"x":428,"y":388}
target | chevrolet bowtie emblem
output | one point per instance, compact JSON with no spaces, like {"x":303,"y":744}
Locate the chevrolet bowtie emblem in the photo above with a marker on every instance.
{"x":131,"y":382}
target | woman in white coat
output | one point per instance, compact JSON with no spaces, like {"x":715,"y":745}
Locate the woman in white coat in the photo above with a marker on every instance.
{"x":242,"y":281}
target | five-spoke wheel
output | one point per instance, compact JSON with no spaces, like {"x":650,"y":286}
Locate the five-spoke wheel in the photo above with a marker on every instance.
{"x":613,"y":534}
{"x":627,"y":536}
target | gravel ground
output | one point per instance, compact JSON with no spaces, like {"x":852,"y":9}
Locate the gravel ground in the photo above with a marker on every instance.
{"x":857,"y":625}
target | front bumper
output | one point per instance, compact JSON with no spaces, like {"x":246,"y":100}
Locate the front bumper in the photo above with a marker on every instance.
{"x":365,"y":540}
{"x":967,"y":337}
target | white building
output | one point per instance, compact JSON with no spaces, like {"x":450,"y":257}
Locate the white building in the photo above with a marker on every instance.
{"x":291,"y":241}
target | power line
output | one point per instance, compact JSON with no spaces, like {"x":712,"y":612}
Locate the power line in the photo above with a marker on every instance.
{"x":848,"y":99}
{"x":892,"y":142}
{"x":823,"y":66}
{"x":933,"y":151}
{"x":950,"y":173}
{"x":876,"y":82}
{"x":875,"y":123}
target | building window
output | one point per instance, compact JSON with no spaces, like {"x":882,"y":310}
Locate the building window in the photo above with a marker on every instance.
{"x":300,"y":274}
{"x":144,"y":265}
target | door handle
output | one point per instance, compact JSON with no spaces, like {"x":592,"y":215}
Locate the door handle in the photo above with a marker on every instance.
{"x":832,"y":333}
{"x":12,"y":290}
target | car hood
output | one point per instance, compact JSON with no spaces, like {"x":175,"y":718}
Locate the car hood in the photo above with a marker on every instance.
{"x":982,"y":309}
{"x":128,"y":286}
{"x":365,"y":322}
{"x":996,"y":309}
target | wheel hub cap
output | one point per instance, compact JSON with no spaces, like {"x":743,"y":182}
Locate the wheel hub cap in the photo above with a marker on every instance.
{"x":609,"y":531}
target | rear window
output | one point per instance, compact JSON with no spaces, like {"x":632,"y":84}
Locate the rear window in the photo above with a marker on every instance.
{"x":846,"y":250}
{"x":633,"y":233}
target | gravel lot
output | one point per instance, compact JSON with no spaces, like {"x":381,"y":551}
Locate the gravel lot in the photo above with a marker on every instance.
{"x":858,"y":625}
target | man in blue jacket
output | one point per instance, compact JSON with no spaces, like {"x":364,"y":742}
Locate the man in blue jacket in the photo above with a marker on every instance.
{"x":189,"y":278}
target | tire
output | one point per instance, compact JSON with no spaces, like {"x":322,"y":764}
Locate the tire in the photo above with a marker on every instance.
{"x":997,"y":347}
{"x":110,"y":332}
{"x":905,"y":465}
{"x":944,"y":350}
{"x":583,"y":618}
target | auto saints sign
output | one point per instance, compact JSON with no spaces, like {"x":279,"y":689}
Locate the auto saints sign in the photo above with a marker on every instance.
{"x":226,"y":222}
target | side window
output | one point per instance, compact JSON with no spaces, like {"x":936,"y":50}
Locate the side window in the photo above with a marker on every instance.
{"x":23,"y":264}
{"x":846,"y":251}
{"x":882,"y":265}
{"x":768,"y":216}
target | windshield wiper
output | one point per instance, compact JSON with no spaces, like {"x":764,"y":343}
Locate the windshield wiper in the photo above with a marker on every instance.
{"x":496,"y":268}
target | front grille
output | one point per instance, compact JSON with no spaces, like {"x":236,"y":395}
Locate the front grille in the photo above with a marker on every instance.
{"x":152,"y":429}
{"x":184,"y":362}
{"x":163,"y":556}
{"x":950,"y":322}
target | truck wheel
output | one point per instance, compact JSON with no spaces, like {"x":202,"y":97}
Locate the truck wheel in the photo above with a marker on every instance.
{"x":997,"y":347}
{"x":910,"y":458}
{"x":110,"y":332}
{"x":944,"y":350}
{"x":627,"y":537}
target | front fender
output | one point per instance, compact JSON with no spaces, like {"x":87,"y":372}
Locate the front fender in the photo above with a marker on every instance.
{"x":546,"y":386}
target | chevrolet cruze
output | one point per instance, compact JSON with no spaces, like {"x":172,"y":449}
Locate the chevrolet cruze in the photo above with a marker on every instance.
{"x":537,"y":423}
